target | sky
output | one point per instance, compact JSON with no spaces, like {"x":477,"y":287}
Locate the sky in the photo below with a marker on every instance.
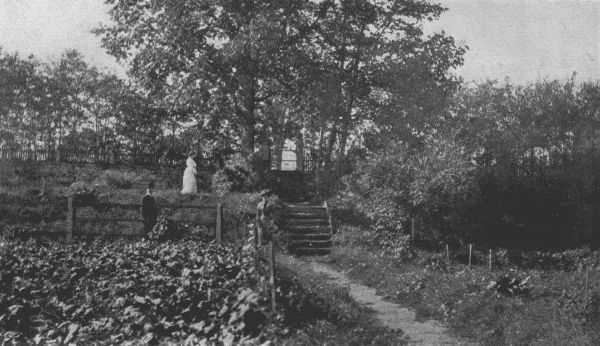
{"x":523,"y":40}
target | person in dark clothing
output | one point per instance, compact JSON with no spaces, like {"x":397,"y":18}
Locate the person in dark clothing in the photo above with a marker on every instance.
{"x":149,"y":209}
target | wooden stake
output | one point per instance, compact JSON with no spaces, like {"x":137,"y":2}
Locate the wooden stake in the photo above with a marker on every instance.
{"x":259,"y":233}
{"x":447,"y":255}
{"x":70,"y":220}
{"x":255,"y":234}
{"x":490,"y":260}
{"x":587,"y":270}
{"x":272,"y":279}
{"x":218,"y":229}
{"x":470,"y":252}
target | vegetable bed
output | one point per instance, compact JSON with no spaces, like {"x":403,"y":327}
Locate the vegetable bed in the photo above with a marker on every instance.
{"x":129,"y":292}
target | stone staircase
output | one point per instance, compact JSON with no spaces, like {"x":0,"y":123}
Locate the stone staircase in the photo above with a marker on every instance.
{"x":308,"y":229}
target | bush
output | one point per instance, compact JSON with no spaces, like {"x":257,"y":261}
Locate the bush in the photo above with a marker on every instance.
{"x":434,"y":184}
{"x":219,"y":184}
{"x":237,"y":176}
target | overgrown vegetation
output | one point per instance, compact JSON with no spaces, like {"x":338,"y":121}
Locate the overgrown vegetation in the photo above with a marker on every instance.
{"x":508,"y":166}
{"x":559,"y":307}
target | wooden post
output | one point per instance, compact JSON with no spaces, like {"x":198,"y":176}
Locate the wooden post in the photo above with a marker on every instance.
{"x":255,"y":235}
{"x":587,"y":270}
{"x":412,"y":228}
{"x":272,"y":279}
{"x":259,"y":232}
{"x":447,"y":255}
{"x":219,"y":230}
{"x":470,"y":252}
{"x":70,"y":219}
{"x":490,"y":260}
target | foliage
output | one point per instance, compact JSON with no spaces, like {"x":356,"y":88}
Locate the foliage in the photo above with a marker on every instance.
{"x":510,"y":286}
{"x":561,"y":306}
{"x":268,"y":68}
{"x":219,"y":183}
{"x":434,"y":184}
{"x":165,"y":229}
{"x":237,"y":176}
{"x":123,"y":291}
{"x":536,"y":161}
{"x":506,"y":166}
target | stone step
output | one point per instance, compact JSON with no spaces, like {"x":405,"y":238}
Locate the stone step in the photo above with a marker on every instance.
{"x":304,"y":208}
{"x":307,"y":222}
{"x":304,"y":229}
{"x":309,"y":244}
{"x":303,"y":215}
{"x":309,"y":236}
{"x":311,"y":251}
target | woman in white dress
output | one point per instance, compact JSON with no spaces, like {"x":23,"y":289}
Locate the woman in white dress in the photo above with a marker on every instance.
{"x":189,"y":175}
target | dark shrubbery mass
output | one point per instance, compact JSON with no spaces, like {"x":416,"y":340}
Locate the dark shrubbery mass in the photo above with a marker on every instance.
{"x":511,"y":167}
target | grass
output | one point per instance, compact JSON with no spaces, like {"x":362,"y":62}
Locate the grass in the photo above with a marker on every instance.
{"x":558,"y":311}
{"x":344,"y":321}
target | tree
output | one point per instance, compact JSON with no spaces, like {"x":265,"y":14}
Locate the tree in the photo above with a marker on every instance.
{"x":19,"y":86}
{"x":378,"y":66}
{"x":224,"y":57}
{"x":238,"y":61}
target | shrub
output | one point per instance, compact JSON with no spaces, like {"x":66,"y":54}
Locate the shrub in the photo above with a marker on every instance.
{"x":237,"y":176}
{"x":219,"y":183}
{"x":435,"y":184}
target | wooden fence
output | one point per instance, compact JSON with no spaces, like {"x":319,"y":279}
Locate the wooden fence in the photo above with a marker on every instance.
{"x":99,"y":156}
{"x":74,"y":222}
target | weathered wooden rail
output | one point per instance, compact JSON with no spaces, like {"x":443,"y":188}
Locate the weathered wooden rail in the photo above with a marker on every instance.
{"x":73,"y":222}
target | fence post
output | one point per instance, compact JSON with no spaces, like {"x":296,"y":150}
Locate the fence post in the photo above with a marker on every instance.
{"x":587,"y":271}
{"x":255,"y":236}
{"x":470,"y":252}
{"x":219,"y":227}
{"x":447,"y":255}
{"x":70,"y":219}
{"x":490,"y":261}
{"x":272,"y":279}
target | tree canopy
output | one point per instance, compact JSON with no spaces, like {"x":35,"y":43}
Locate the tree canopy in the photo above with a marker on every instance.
{"x":330,"y":64}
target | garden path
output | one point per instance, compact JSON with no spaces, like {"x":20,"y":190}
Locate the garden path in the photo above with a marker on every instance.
{"x":390,"y":314}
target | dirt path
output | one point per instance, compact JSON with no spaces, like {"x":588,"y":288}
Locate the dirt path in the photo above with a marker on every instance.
{"x":390,"y":314}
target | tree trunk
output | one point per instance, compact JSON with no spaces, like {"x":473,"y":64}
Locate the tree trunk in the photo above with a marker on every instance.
{"x":300,"y":152}
{"x":321,"y":147}
{"x":246,"y":112}
{"x":247,"y":139}
{"x":330,"y":145}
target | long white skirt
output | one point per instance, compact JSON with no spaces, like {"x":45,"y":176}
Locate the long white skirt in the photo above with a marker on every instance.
{"x":189,"y":181}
